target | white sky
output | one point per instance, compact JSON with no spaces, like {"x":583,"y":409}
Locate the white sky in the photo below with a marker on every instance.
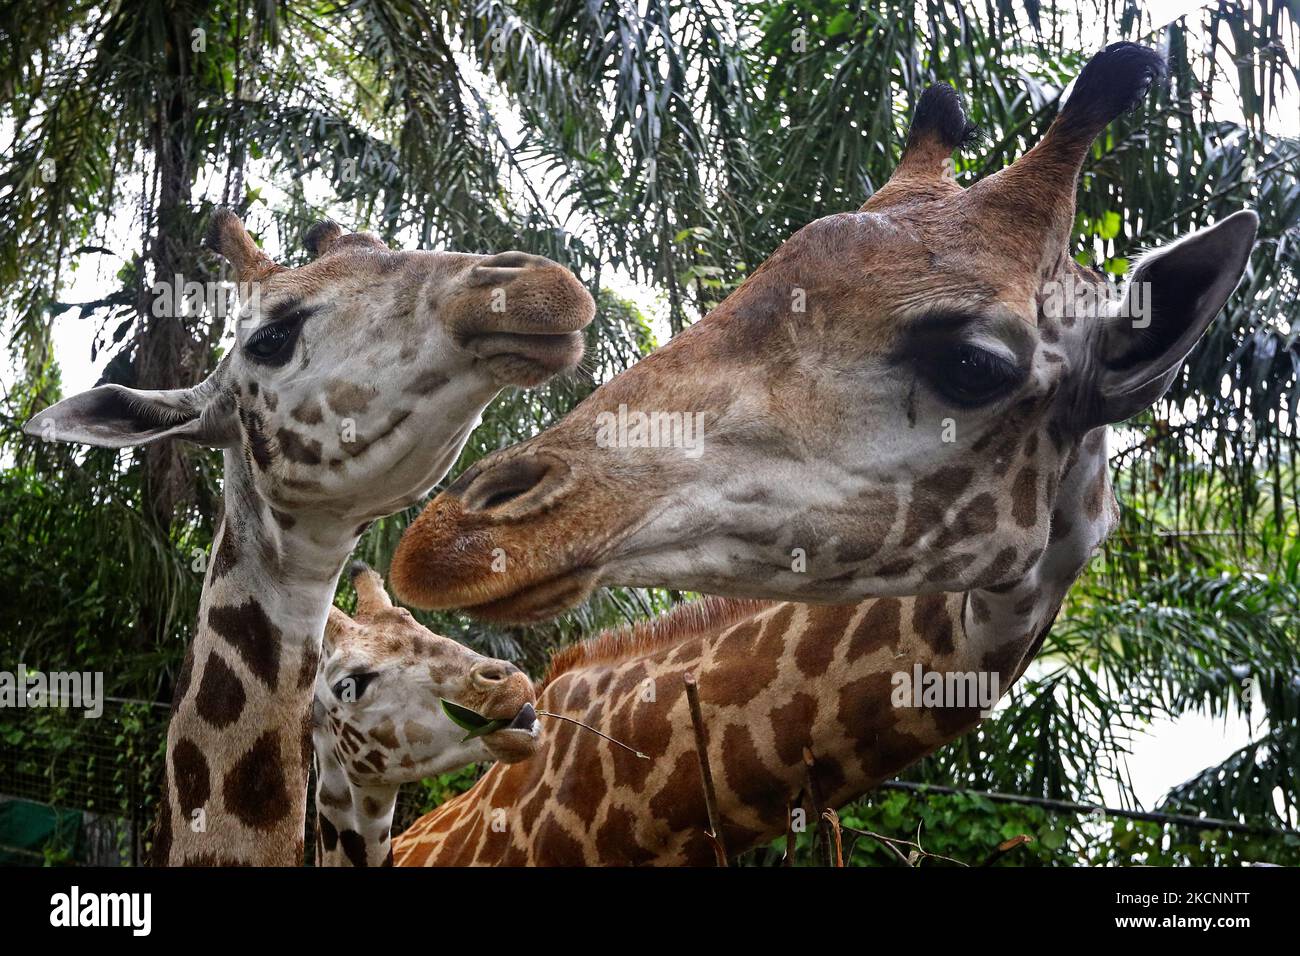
{"x":1168,"y":754}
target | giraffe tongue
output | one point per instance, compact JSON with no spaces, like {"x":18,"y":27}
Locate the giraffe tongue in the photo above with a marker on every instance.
{"x":525,"y":719}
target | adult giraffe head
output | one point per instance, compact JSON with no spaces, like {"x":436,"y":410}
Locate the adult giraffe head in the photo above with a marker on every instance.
{"x":365,"y":362}
{"x":352,"y":385}
{"x":885,"y":406}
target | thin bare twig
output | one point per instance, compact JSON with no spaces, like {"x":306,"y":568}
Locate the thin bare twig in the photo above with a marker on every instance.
{"x":819,"y":806}
{"x":1006,"y":846}
{"x":790,"y":839}
{"x":543,"y":713}
{"x":911,"y":859}
{"x":702,"y":751}
{"x":833,"y":824}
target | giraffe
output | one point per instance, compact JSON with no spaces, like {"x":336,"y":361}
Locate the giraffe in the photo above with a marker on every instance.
{"x":889,"y":403}
{"x":377,"y":720}
{"x":866,"y":688}
{"x":351,"y":388}
{"x":917,"y":459}
{"x":775,"y":680}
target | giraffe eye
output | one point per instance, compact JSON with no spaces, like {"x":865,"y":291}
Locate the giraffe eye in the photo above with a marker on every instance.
{"x":350,"y":689}
{"x":272,"y":344}
{"x":970,"y":376}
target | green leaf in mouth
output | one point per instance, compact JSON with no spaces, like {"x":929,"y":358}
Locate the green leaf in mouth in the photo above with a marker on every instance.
{"x":475,"y":723}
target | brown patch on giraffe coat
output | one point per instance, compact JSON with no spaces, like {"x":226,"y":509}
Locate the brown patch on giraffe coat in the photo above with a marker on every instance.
{"x":1003,"y":564}
{"x":1004,"y":661}
{"x":221,"y":697}
{"x":255,"y":789}
{"x":354,"y":847}
{"x":259,"y":445}
{"x":583,"y":788}
{"x":329,"y":833}
{"x":746,"y":660}
{"x":308,"y":664}
{"x":561,"y":739}
{"x":1024,"y":497}
{"x":616,"y":840}
{"x":792,"y":725}
{"x":952,"y":722}
{"x":417,"y":733}
{"x":283,"y":518}
{"x":247,"y":629}
{"x":309,"y":411}
{"x":749,"y":777}
{"x":493,"y":843}
{"x":829,"y":776}
{"x":868,"y":716}
{"x":679,"y":803}
{"x":385,"y":734}
{"x":815,"y":647}
{"x":950,"y":568}
{"x":339,"y":801}
{"x":226,"y":556}
{"x":1095,"y":497}
{"x":190,"y":771}
{"x":977,"y":517}
{"x":880,"y":626}
{"x":465,"y":853}
{"x":876,"y":512}
{"x":931,"y":621}
{"x":931,"y":497}
{"x":553,"y":846}
{"x":299,"y":448}
{"x":183,"y":677}
{"x":346,"y":398}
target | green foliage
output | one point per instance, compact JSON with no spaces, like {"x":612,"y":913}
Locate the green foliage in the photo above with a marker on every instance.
{"x":967,"y":829}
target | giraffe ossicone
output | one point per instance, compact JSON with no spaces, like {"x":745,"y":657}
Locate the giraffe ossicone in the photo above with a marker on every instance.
{"x":377,"y":722}
{"x":353,"y":383}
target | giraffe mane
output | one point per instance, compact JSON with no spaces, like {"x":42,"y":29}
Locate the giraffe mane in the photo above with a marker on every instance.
{"x":665,"y":630}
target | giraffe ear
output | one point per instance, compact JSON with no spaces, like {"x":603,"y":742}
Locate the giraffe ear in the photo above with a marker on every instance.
{"x":1171,"y":299}
{"x":114,"y":416}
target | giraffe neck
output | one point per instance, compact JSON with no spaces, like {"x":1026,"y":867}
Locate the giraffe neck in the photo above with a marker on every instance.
{"x":1023,"y":611}
{"x":833,"y":681}
{"x":238,"y":744}
{"x":354,"y":823}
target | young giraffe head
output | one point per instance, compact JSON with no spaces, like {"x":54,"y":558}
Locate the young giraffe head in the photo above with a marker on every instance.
{"x":886,"y":405}
{"x":365,"y":362}
{"x":378,"y":721}
{"x":379,"y":692}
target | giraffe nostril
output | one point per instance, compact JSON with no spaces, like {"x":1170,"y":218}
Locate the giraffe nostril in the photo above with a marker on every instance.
{"x":491,"y":672}
{"x":529,"y":481}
